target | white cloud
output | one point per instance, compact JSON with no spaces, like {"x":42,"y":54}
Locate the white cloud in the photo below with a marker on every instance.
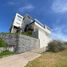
{"x":21,"y":6}
{"x":26,"y":7}
{"x":59,"y":6}
{"x":58,"y":33}
{"x":11,"y":3}
{"x":59,"y":36}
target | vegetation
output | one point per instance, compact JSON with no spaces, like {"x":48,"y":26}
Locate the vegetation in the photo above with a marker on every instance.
{"x":6,"y":53}
{"x":3,"y":43}
{"x":56,"y":46}
{"x":50,"y":59}
{"x":27,"y":33}
{"x":6,"y":33}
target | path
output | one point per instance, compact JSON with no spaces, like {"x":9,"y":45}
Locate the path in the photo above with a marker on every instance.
{"x":19,"y":60}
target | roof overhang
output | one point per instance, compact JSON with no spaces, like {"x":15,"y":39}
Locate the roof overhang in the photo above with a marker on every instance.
{"x":42,"y":28}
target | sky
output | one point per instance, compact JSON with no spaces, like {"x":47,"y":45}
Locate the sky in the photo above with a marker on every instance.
{"x":53,"y":13}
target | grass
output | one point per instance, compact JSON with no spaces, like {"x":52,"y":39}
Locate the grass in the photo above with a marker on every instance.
{"x":6,"y":53}
{"x":50,"y":59}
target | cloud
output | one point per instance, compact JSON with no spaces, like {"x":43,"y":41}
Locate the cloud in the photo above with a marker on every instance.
{"x":58,"y":33}
{"x":28,"y":7}
{"x":59,"y":6}
{"x":11,"y":3}
{"x":21,"y":6}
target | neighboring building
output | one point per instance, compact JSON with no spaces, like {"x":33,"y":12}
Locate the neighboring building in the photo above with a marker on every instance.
{"x":19,"y":23}
{"x":26,"y":23}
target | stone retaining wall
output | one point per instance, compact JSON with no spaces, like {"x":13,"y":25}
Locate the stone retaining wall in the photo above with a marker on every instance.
{"x":20,"y":43}
{"x":27,"y":43}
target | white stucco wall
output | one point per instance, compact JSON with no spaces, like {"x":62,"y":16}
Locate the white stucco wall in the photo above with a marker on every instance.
{"x":43,"y":35}
{"x":44,"y":38}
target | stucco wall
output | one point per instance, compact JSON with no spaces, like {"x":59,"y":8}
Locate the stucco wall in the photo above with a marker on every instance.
{"x":43,"y":35}
{"x":44,"y":39}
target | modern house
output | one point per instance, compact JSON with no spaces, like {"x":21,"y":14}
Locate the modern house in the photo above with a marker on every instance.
{"x":26,"y":23}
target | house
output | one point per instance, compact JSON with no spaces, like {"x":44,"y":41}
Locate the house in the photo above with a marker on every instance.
{"x":41,"y":32}
{"x":26,"y":23}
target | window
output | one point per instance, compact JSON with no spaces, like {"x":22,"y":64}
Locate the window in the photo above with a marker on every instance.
{"x":19,"y":16}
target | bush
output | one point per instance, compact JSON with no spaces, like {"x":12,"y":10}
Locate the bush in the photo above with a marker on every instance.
{"x":3,"y":43}
{"x":55,"y":46}
{"x":6,"y":53}
{"x":27,"y":33}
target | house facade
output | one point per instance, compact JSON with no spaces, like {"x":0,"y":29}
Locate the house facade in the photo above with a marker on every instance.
{"x":26,"y":23}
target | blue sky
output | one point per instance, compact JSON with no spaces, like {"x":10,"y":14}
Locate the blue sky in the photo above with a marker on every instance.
{"x":50,"y":12}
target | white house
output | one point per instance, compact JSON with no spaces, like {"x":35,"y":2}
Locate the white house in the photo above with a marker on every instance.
{"x":39,"y":31}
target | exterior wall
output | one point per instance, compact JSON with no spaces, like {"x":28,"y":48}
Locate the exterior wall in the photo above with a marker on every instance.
{"x":12,"y":29}
{"x":35,"y":33}
{"x":20,"y":43}
{"x":27,"y":43}
{"x":36,"y":25}
{"x":8,"y":48}
{"x":27,"y":20}
{"x":10,"y":39}
{"x":18,"y":20}
{"x":44,"y":38}
{"x":43,"y":35}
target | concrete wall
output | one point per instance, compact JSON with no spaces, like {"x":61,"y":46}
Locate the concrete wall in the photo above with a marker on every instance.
{"x":20,"y":43}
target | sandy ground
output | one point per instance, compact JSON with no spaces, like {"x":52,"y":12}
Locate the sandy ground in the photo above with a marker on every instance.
{"x":19,"y":60}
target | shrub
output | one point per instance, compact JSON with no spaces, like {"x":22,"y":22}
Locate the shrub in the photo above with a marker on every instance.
{"x":55,"y":46}
{"x":3,"y":43}
{"x":27,"y":33}
{"x":6,"y":53}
